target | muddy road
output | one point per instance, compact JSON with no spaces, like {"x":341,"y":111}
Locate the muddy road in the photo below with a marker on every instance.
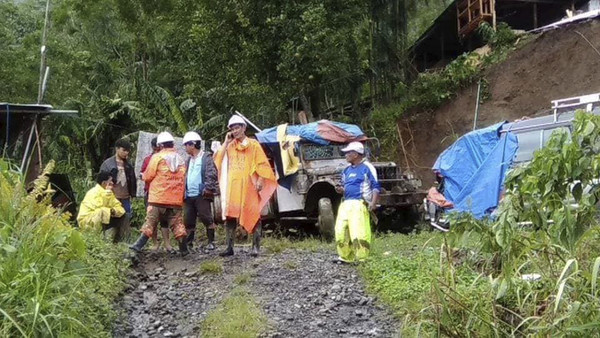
{"x":301,"y":294}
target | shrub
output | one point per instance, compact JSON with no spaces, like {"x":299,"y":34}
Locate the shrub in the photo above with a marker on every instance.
{"x":54,"y":280}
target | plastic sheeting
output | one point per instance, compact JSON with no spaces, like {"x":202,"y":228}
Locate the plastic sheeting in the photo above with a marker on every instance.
{"x":474,"y":168}
{"x":322,"y":132}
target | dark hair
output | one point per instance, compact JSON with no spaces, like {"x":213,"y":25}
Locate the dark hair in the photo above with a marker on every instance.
{"x":123,"y":143}
{"x":103,"y":176}
{"x":197,"y":144}
{"x":168,"y":145}
{"x":153,"y":142}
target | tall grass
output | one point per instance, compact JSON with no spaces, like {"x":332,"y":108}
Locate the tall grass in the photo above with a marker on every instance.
{"x":54,"y":280}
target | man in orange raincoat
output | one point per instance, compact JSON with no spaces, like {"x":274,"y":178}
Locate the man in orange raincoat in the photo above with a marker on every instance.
{"x":246,"y":181}
{"x":166,"y":175}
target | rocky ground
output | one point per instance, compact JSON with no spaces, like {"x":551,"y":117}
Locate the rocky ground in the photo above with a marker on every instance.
{"x":303,"y":294}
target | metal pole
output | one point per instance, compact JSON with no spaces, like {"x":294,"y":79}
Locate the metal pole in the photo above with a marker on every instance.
{"x":26,"y":154}
{"x":477,"y":106}
{"x":43,"y":55}
{"x":248,"y":121}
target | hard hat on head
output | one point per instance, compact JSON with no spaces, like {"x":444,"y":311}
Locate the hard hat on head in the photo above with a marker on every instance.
{"x":355,"y":146}
{"x":164,"y":137}
{"x":235,"y":119}
{"x":191,"y":136}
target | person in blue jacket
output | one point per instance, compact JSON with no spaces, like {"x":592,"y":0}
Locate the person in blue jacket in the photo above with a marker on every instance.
{"x":361,"y":193}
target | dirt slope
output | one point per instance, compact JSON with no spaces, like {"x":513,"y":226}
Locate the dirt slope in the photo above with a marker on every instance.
{"x":557,"y":64}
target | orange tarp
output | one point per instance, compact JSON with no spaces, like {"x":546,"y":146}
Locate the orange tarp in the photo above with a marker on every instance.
{"x":240,"y":166}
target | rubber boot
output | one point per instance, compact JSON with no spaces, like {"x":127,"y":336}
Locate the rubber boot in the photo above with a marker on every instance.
{"x":229,"y":241}
{"x":190,"y":238}
{"x":139,"y":244}
{"x":210,"y":233}
{"x":183,"y":247}
{"x":256,"y":241}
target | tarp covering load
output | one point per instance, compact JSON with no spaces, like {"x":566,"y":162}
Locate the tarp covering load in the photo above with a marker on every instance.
{"x":474,"y":168}
{"x":321,"y":132}
{"x":281,"y":142}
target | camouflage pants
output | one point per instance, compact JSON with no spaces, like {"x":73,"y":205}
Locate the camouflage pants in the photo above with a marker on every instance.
{"x":171,"y":216}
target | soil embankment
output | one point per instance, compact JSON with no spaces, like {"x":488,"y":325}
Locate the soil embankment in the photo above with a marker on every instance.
{"x":557,"y":64}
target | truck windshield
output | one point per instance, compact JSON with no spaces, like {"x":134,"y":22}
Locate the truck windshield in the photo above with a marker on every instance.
{"x":321,"y":152}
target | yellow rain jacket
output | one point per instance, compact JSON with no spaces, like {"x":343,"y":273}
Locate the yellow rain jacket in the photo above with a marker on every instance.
{"x":96,"y":207}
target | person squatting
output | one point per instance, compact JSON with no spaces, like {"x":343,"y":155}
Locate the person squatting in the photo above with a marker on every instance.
{"x":178,"y":192}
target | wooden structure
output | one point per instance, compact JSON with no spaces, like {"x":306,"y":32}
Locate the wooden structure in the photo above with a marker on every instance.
{"x":454,"y":31}
{"x":471,"y":13}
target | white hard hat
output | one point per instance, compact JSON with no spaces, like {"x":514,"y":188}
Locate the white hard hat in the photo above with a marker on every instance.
{"x":235,"y":119}
{"x":191,"y":136}
{"x":354,"y":146}
{"x":164,"y":137}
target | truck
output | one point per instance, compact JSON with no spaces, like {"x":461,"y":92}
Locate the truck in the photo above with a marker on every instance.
{"x":308,"y":195}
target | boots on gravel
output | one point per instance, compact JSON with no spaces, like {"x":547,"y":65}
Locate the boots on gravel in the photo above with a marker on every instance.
{"x":183,"y":247}
{"x":190,"y":238}
{"x":210,"y":233}
{"x":139,"y":244}
{"x":230,"y":232}
{"x":256,"y":241}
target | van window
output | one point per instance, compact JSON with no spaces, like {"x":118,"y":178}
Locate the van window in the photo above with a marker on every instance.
{"x":548,"y":133}
{"x":528,"y":143}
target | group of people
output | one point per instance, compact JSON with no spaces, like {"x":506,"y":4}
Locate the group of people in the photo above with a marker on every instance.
{"x":179,"y":191}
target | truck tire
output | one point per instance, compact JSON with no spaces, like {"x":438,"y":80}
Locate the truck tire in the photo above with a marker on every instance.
{"x":326,"y":222}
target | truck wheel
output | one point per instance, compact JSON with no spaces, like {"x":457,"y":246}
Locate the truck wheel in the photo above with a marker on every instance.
{"x":326,"y":219}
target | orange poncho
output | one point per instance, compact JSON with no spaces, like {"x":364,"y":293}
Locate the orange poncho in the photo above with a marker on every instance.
{"x":240,"y":166}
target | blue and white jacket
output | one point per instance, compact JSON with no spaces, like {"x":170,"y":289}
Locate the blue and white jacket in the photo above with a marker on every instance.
{"x":360,"y":181}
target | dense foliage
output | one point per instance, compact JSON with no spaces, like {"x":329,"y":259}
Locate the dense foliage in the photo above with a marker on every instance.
{"x":54,"y":280}
{"x":178,"y":64}
{"x":533,"y":270}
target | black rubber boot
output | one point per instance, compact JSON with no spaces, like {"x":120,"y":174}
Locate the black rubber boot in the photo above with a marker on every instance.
{"x":256,"y":241}
{"x":183,"y":247}
{"x":139,"y":244}
{"x":190,"y":238}
{"x":229,"y":241}
{"x":210,"y":233}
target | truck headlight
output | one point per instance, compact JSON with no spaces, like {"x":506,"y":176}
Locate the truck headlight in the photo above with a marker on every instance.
{"x":302,"y":183}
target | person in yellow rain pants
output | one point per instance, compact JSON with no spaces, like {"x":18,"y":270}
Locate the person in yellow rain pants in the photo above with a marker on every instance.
{"x":361,"y":193}
{"x":100,"y":208}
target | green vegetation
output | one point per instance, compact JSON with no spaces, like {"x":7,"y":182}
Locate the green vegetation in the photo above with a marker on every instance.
{"x":243,"y":277}
{"x":238,"y":315}
{"x":280,"y":244}
{"x":54,"y":280}
{"x":531,"y":271}
{"x":179,"y":65}
{"x":401,"y":268}
{"x":290,"y":265}
{"x":214,"y":267}
{"x":431,"y":89}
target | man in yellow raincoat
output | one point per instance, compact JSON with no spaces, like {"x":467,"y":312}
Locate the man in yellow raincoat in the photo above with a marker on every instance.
{"x":100,"y":208}
{"x":246,"y":181}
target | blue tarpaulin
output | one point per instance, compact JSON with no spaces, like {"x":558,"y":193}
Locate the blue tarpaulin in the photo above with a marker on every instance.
{"x":474,"y":168}
{"x":322,"y":132}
